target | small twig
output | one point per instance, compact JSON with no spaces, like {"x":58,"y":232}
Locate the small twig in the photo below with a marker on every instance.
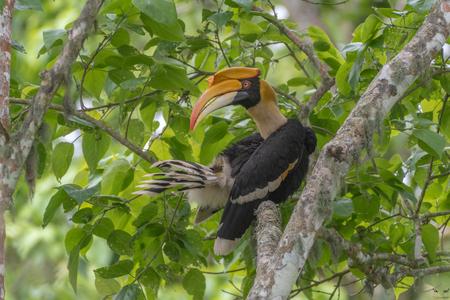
{"x":220,"y":46}
{"x":325,"y":3}
{"x":323,"y":129}
{"x":379,"y":221}
{"x":220,"y":273}
{"x":134,"y":107}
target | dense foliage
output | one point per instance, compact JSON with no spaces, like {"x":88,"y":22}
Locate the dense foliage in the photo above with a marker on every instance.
{"x":139,"y":75}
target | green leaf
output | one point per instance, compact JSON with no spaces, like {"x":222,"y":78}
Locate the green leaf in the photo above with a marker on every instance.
{"x":119,"y":242}
{"x":299,"y":81}
{"x":62,"y":158}
{"x":83,"y":215}
{"x":94,"y":146}
{"x":430,"y":141}
{"x":26,"y":4}
{"x":430,"y":239}
{"x":343,"y":207}
{"x":172,"y":251}
{"x":321,"y":46}
{"x":445,"y":82}
{"x":445,"y":124}
{"x":396,"y":231}
{"x":162,"y":11}
{"x":55,"y":202}
{"x":50,"y":36}
{"x":221,"y":18}
{"x":353,"y":78}
{"x":72,"y":266}
{"x":245,"y":4}
{"x":421,"y":5}
{"x":116,"y":177}
{"x":106,"y":286}
{"x":104,"y":228}
{"x":120,"y":268}
{"x":94,"y":82}
{"x":194,"y":283}
{"x":80,"y":195}
{"x":342,"y":78}
{"x":153,"y":230}
{"x":149,"y":278}
{"x":128,"y":292}
{"x":208,"y":151}
{"x":370,"y":28}
{"x":215,"y":133}
{"x":120,"y":75}
{"x":172,"y":33}
{"x":120,"y":37}
{"x":140,"y":59}
{"x":148,"y":213}
{"x":249,"y":31}
{"x":366,"y":209}
{"x":169,"y":78}
{"x":389,"y":12}
{"x":74,"y":237}
{"x":148,"y":115}
{"x":136,"y":131}
{"x":180,"y":125}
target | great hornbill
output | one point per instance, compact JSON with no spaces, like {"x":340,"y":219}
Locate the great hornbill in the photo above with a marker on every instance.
{"x":269,"y":165}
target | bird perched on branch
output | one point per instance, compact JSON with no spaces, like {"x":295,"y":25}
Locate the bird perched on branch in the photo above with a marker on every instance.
{"x":269,"y":165}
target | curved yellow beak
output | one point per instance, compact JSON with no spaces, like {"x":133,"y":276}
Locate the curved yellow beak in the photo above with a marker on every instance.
{"x":224,"y":85}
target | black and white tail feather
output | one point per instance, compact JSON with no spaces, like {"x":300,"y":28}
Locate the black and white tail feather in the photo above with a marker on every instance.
{"x":204,"y":185}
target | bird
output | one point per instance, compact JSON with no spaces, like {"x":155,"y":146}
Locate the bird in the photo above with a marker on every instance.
{"x":268,"y":165}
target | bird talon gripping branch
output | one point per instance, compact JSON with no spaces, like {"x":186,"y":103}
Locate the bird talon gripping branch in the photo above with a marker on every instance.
{"x":267,"y":165}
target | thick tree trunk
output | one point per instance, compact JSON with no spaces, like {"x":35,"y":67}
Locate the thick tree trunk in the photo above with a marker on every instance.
{"x":15,"y":146}
{"x":5,"y":66}
{"x":337,"y":157}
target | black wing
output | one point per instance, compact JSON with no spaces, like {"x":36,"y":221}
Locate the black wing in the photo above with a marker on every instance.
{"x":282,"y":153}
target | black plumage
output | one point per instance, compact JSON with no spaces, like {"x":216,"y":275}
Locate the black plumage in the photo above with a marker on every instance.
{"x":269,"y":165}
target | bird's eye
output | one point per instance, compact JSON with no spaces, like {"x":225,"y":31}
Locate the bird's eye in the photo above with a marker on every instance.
{"x":246,"y":84}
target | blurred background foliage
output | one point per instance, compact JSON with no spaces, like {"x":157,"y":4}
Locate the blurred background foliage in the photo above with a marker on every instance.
{"x":36,"y":258}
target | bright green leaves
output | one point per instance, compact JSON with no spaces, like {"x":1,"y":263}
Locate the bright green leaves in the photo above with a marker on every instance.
{"x":172,"y":32}
{"x":249,"y":31}
{"x":194,"y":283}
{"x":430,"y":239}
{"x":119,"y":241}
{"x":148,"y":213}
{"x":221,"y":18}
{"x":55,"y":202}
{"x":117,"y":176}
{"x":366,"y":209}
{"x":396,"y":232}
{"x":216,"y":139}
{"x":421,"y":5}
{"x":370,"y":28}
{"x":120,"y":268}
{"x":106,"y":287}
{"x":72,"y":266}
{"x":430,"y":141}
{"x":170,"y":78}
{"x":162,"y":11}
{"x":318,"y":36}
{"x":95,"y":145}
{"x":149,"y":277}
{"x":62,"y":158}
{"x":51,"y":36}
{"x":128,"y":292}
{"x":343,"y":207}
{"x":80,"y":195}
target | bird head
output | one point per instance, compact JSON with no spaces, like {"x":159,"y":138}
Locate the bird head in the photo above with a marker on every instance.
{"x":233,"y":86}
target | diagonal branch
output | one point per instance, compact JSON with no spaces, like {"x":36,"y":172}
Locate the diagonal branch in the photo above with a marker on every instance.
{"x":327,"y":81}
{"x":338,"y":156}
{"x":97,"y":123}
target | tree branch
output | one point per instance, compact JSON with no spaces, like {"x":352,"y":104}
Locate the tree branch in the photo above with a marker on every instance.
{"x":337,"y":157}
{"x":267,"y":233}
{"x":99,"y":124}
{"x":327,"y":81}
